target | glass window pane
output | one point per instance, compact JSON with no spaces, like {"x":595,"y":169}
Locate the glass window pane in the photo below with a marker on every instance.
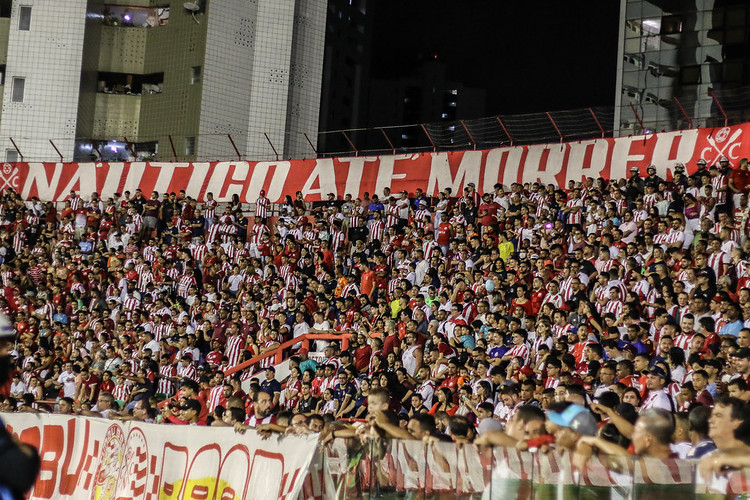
{"x":19,"y":86}
{"x":24,"y":18}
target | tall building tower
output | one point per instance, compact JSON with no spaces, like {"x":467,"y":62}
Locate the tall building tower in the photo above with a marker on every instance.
{"x":678,"y":49}
{"x":346,"y":71}
{"x":124,"y":79}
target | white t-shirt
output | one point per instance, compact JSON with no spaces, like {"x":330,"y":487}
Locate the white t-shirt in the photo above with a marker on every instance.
{"x":324,"y":326}
{"x":68,"y":380}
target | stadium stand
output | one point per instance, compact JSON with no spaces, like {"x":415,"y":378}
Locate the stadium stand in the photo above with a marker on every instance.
{"x":611,"y":316}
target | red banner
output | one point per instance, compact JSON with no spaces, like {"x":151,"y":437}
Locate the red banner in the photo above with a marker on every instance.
{"x":432,"y":172}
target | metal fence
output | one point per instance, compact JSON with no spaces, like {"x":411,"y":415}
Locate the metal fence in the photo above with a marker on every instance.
{"x":639,"y":116}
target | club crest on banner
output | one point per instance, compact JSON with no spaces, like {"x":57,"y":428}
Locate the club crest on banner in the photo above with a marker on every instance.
{"x":110,"y":462}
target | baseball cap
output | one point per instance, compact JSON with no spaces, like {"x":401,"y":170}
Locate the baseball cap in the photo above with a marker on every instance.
{"x":575,"y":417}
{"x":303,"y":351}
{"x":657,"y":371}
{"x":742,"y":353}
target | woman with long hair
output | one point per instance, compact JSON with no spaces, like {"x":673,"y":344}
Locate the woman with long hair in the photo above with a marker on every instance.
{"x":444,"y":402}
{"x":357,"y":407}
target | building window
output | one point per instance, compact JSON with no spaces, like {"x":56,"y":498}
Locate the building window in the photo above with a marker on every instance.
{"x":24,"y":18}
{"x":671,"y":25}
{"x":19,"y":86}
{"x":11,"y":155}
{"x":690,"y":75}
{"x":131,"y":16}
{"x":189,"y":146}
{"x":195,"y":75}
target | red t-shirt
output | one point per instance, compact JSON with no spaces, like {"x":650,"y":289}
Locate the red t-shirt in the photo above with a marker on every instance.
{"x":444,"y":234}
{"x":741,"y":179}
{"x":367,"y":282}
{"x":490,"y":210}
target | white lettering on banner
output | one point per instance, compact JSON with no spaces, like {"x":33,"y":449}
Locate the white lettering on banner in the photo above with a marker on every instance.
{"x":505,"y":160}
{"x":354,"y":177}
{"x":218,"y":180}
{"x":134,"y":178}
{"x":83,"y":179}
{"x":386,"y":168}
{"x":551,"y":157}
{"x":166,"y":173}
{"x":441,"y":177}
{"x":37,"y":175}
{"x":112,"y":181}
{"x":238,"y":178}
{"x":91,"y":458}
{"x":433,"y":172}
{"x":622,"y":157}
{"x":663,"y":156}
{"x":325,"y":176}
{"x":578,"y":167}
{"x":197,"y":178}
{"x":260,"y":174}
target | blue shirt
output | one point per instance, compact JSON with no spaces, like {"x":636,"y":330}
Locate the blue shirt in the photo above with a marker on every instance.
{"x":732,"y":328}
{"x":270,"y":386}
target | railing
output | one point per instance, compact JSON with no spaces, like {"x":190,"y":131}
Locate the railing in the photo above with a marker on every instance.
{"x":278,"y":353}
{"x":398,"y":469}
{"x":718,"y":108}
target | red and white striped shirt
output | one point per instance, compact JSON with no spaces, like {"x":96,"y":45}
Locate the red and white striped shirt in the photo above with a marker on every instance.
{"x":261,"y":207}
{"x":717,"y":183}
{"x":718,"y":261}
{"x":429,"y":248}
{"x":235,"y":345}
{"x":186,"y":281}
{"x":377,"y":230}
{"x":520,"y":350}
{"x":574,"y":217}
{"x":391,"y":215}
{"x":560,"y":330}
{"x":198,"y":252}
{"x":257,"y":232}
{"x":122,"y":390}
{"x":614,"y":307}
{"x":186,"y":371}
{"x":165,"y":386}
{"x":337,"y":240}
{"x":215,"y":398}
{"x":144,"y":279}
{"x":209,"y":210}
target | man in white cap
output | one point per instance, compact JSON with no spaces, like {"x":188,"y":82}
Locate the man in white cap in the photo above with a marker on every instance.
{"x":636,"y":185}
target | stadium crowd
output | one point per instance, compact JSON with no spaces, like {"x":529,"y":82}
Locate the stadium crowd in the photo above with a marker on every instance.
{"x":610,"y":316}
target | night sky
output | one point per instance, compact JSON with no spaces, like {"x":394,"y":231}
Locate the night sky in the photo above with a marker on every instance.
{"x":529,"y":55}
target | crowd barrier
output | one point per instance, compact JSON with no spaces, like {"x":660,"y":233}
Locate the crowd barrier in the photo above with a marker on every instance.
{"x":397,"y":469}
{"x":91,"y":458}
